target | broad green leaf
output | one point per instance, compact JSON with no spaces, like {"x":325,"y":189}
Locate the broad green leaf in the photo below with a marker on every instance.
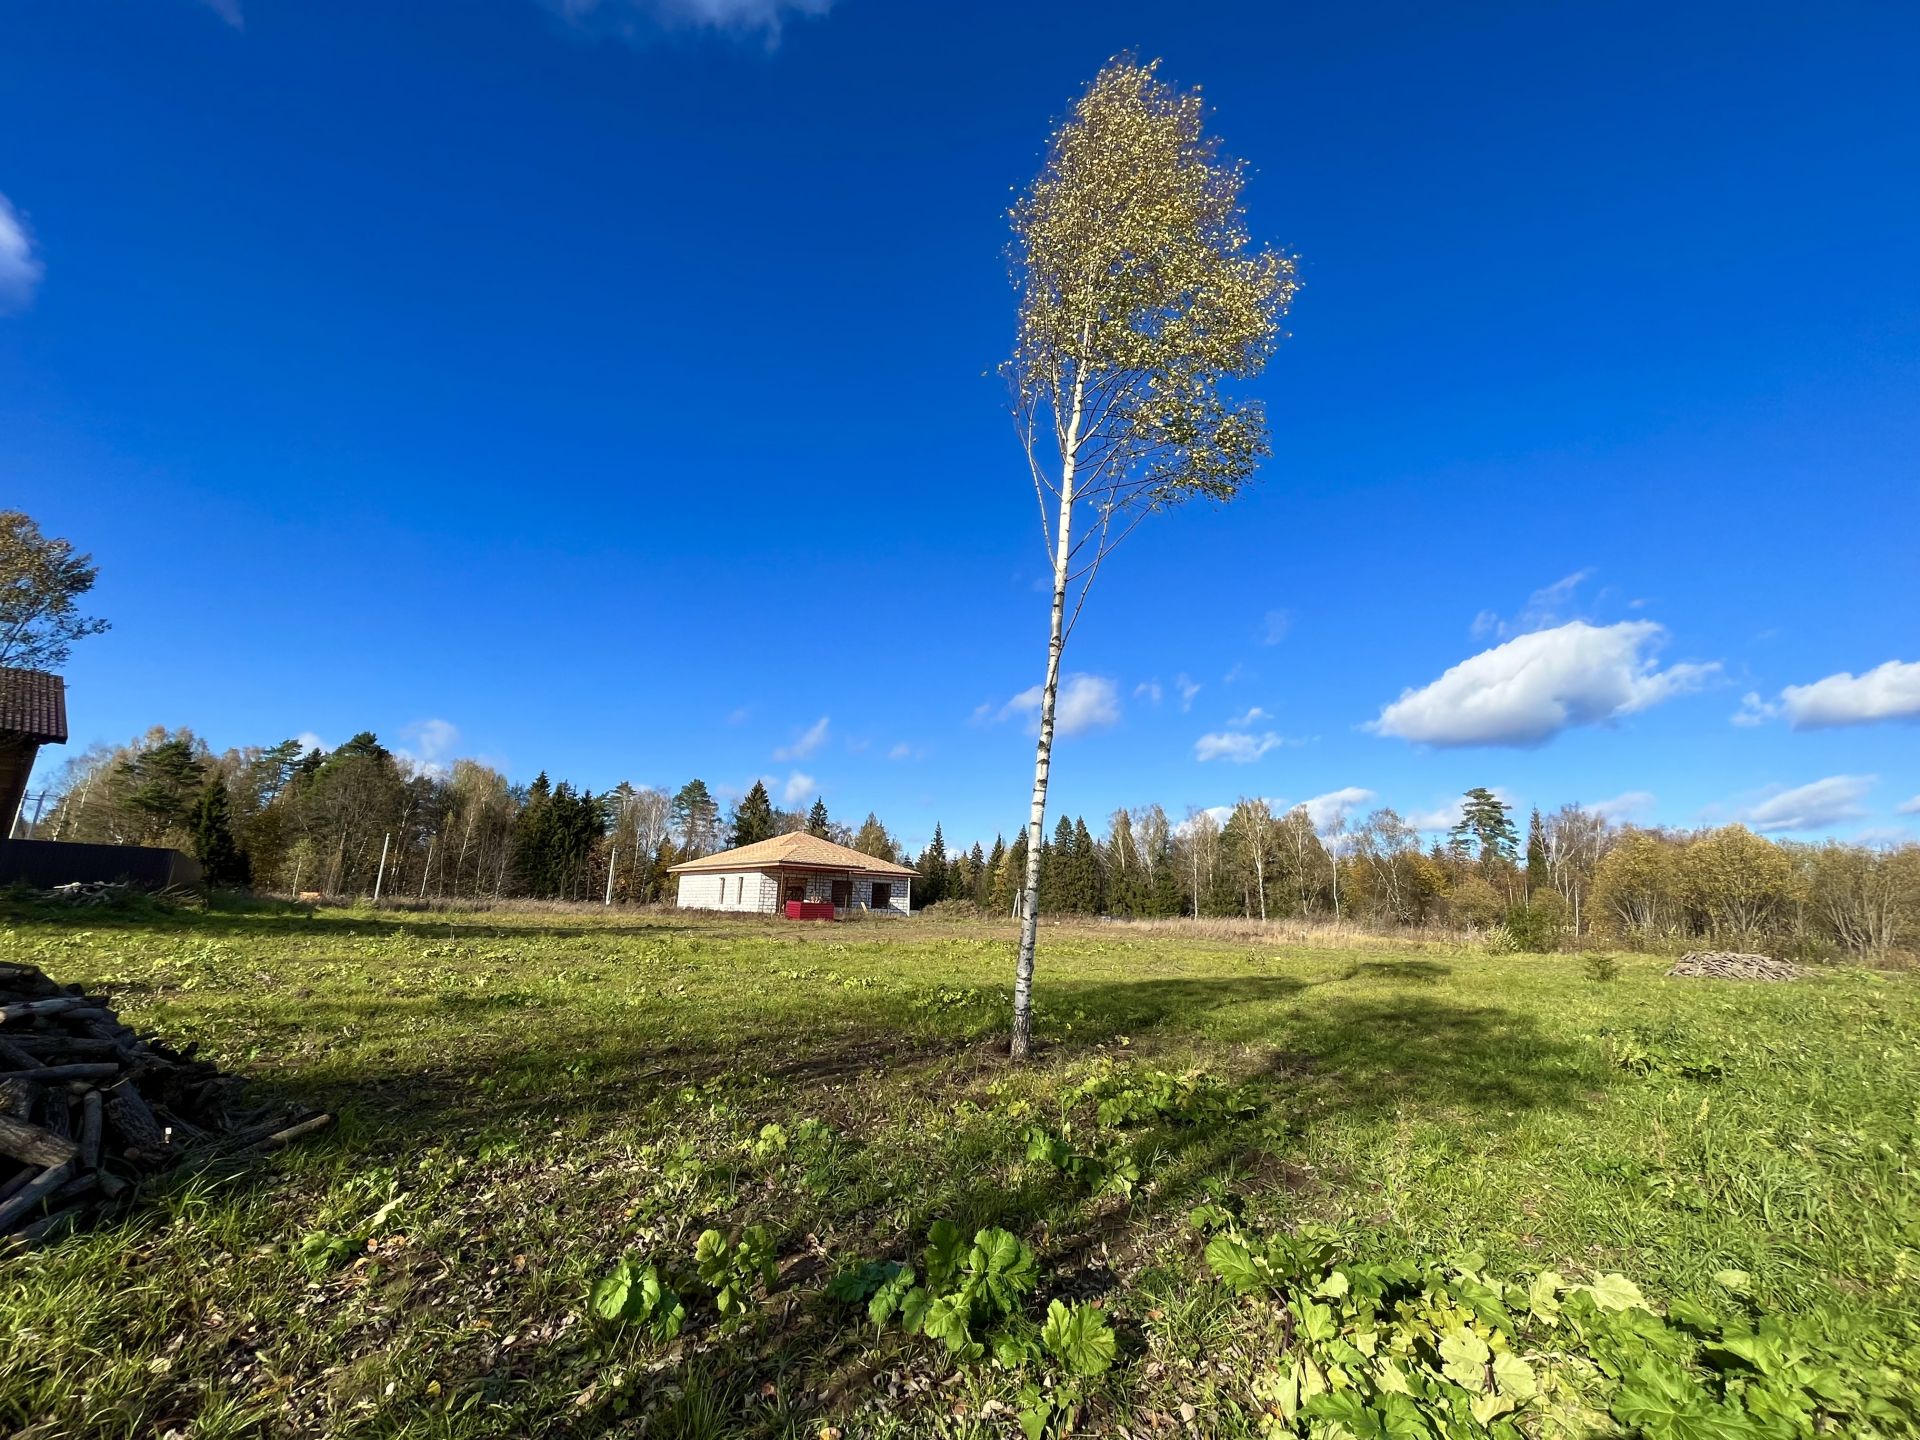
{"x":1316,"y":1321}
{"x":1514,"y":1376}
{"x":1237,"y":1266}
{"x":1616,"y":1292}
{"x":1543,"y":1296}
{"x":1737,"y":1281}
{"x":945,"y":1249}
{"x":1463,"y":1359}
{"x":946,"y":1319}
{"x":1079,"y":1337}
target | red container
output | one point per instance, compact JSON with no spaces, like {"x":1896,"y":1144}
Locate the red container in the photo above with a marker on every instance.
{"x":809,"y":910}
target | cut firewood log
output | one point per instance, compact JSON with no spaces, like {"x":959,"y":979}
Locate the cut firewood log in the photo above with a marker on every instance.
{"x":33,"y":1144}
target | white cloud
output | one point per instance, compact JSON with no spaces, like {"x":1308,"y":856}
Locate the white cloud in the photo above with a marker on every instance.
{"x":1238,"y":669}
{"x":1633,"y":805}
{"x":227,"y":10}
{"x":20,"y":267}
{"x":1188,"y":689}
{"x":629,"y":18}
{"x":430,"y":744}
{"x":1324,"y":810}
{"x":810,"y":740}
{"x":901,"y":751}
{"x":1239,"y":746}
{"x":798,"y":786}
{"x":1148,"y":690}
{"x":1754,"y":711}
{"x":1253,"y":717}
{"x":739,"y":715}
{"x":1441,"y":817}
{"x":1545,"y":607}
{"x":1274,"y":628}
{"x":307,"y":740}
{"x":1527,"y":690}
{"x":1811,"y":807}
{"x":1085,"y":702}
{"x":1908,"y":807}
{"x":1886,"y":692}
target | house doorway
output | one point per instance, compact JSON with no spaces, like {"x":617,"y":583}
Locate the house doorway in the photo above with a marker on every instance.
{"x":842,"y":894}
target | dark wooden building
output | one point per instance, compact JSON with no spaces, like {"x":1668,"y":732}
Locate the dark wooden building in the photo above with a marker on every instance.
{"x":33,"y":712}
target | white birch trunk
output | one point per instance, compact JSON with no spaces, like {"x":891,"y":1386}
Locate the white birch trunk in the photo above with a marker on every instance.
{"x":1022,"y":1045}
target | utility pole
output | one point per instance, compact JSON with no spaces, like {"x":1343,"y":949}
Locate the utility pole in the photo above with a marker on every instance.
{"x":381,"y":874}
{"x":427,"y":869}
{"x":612,"y":857}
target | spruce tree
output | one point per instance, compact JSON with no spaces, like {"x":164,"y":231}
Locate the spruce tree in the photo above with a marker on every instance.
{"x":213,"y":843}
{"x":932,"y":888}
{"x":1536,"y":852}
{"x":982,"y":875}
{"x":817,"y":822}
{"x":753,"y":818}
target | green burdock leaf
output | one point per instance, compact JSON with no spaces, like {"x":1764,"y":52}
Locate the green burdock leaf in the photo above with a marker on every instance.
{"x":1000,"y":1269}
{"x":1463,"y":1359}
{"x":1237,"y":1266}
{"x":1543,"y":1296}
{"x":1664,"y":1403}
{"x":1079,"y":1337}
{"x":1616,"y":1292}
{"x":611,"y":1293}
{"x":1514,"y":1376}
{"x":1316,"y":1321}
{"x":946,"y":1319}
{"x":944,"y":1251}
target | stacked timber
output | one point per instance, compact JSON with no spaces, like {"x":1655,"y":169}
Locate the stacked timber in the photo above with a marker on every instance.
{"x":88,"y":1108}
{"x":1729,"y":965}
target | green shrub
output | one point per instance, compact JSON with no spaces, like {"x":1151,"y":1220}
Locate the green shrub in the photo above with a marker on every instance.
{"x":1534,"y":927}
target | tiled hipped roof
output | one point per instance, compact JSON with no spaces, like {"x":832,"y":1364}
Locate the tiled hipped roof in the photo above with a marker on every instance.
{"x":798,"y":848}
{"x":33,"y":703}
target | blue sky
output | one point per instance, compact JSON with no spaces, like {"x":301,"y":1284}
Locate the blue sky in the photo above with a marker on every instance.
{"x":609,"y":388}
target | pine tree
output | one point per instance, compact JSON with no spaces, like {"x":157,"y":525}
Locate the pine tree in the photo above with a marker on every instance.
{"x":753,"y":818}
{"x":694,"y":817}
{"x":213,"y":843}
{"x":1486,"y":824}
{"x":818,"y":825}
{"x":982,"y":871}
{"x":167,"y":780}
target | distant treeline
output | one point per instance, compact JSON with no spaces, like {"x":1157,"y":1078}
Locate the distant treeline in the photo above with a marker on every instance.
{"x":286,"y":818}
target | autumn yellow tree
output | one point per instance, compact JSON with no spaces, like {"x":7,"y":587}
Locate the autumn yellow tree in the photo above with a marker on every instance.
{"x":1141,"y":300}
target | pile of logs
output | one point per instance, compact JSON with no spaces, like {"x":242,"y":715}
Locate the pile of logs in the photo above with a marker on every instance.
{"x":1726,"y":965}
{"x":88,"y":1108}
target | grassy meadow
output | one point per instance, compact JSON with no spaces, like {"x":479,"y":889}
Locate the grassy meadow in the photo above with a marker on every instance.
{"x":528,"y":1097}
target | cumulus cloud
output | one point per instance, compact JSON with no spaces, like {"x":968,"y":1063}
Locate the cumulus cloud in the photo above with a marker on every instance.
{"x":1327,"y":810}
{"x":1253,"y":716}
{"x":1239,"y":746}
{"x":307,"y":740}
{"x":1633,"y":805}
{"x":1909,"y":807}
{"x":810,"y":740}
{"x":1274,"y":628}
{"x":1810,"y":807}
{"x":1526,"y":690}
{"x":1085,"y":702}
{"x":1886,"y":692}
{"x":797,"y":787}
{"x":631,"y":19}
{"x":20,"y":267}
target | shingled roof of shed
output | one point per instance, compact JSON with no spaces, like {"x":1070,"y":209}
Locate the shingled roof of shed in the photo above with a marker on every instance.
{"x":33,"y":703}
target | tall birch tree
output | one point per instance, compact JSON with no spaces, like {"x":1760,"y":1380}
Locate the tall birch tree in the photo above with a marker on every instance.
{"x":1141,"y":300}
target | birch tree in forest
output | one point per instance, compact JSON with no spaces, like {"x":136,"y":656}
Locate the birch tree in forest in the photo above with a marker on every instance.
{"x":1141,"y":300}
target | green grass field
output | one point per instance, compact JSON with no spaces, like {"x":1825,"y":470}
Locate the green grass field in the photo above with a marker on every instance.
{"x":526,"y":1098}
